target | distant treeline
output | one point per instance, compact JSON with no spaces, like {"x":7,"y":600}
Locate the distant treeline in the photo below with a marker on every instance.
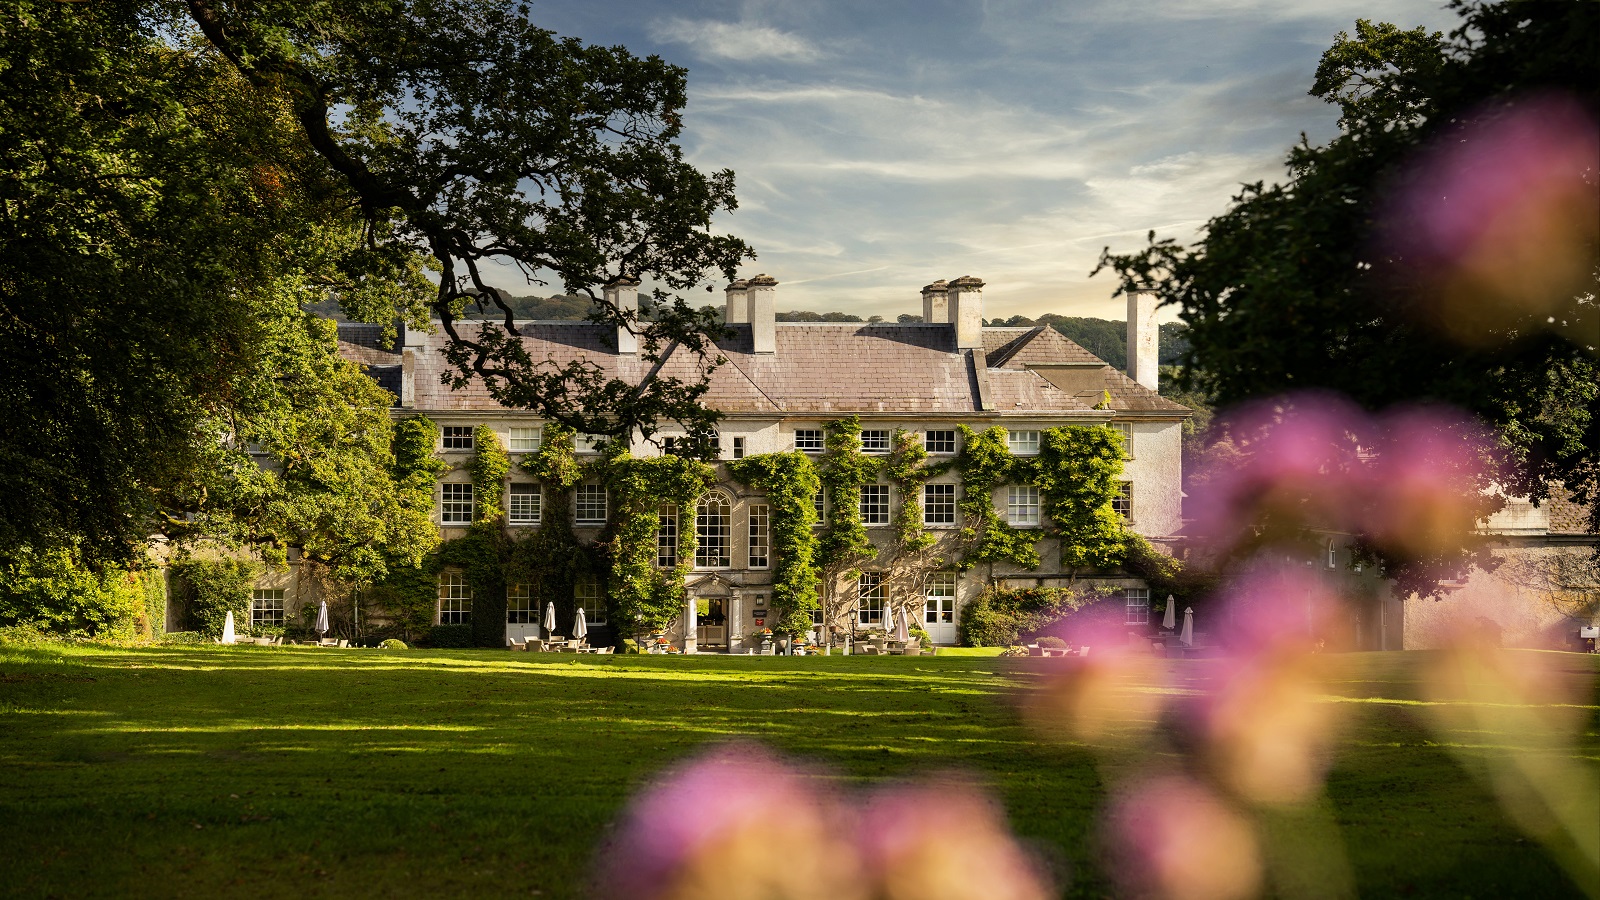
{"x":1105,"y":338}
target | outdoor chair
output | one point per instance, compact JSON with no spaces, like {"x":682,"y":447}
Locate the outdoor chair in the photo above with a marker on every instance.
{"x":534,"y":645}
{"x":514,"y":644}
{"x":913,"y":650}
{"x":1083,"y":651}
{"x":1035,"y":650}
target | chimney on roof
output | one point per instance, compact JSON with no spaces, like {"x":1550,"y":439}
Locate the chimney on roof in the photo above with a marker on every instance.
{"x":763,"y":290}
{"x":1143,"y":338}
{"x":412,"y":342}
{"x":623,"y":294}
{"x":935,"y":305}
{"x":966,"y":310}
{"x":738,"y":310}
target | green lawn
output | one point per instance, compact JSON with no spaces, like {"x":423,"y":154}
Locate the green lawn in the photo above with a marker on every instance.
{"x":297,"y":772}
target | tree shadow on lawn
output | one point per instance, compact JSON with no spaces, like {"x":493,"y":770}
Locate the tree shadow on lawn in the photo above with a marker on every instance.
{"x":459,"y":773}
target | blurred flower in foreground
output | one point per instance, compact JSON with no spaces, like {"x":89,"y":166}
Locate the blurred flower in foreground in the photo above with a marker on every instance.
{"x":1113,"y":694}
{"x":1412,"y":480}
{"x":737,"y":823}
{"x":1499,"y":219}
{"x":906,"y":844}
{"x":1173,"y":838}
{"x":1513,"y":718}
{"x":1263,"y":726}
{"x":740,"y":823}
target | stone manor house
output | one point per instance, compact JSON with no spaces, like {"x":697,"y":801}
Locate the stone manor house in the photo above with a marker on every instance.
{"x":781,"y":384}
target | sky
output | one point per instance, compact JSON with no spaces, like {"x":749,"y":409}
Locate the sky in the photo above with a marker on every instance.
{"x":879,"y":146}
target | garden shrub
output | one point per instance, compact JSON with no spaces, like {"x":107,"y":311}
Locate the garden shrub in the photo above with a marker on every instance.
{"x":50,"y":591}
{"x":209,"y":589}
{"x":1051,"y":641}
{"x":447,"y":637}
{"x":1001,"y":617}
{"x":393,"y":644}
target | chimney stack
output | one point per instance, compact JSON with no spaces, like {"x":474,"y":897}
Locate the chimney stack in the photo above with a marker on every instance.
{"x":1143,"y":338}
{"x":935,"y":305}
{"x":966,"y":311}
{"x":623,"y":293}
{"x":412,"y":343}
{"x":738,"y":308}
{"x":762,"y":291}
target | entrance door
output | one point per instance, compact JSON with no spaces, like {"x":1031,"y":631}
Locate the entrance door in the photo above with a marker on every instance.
{"x":711,"y":622}
{"x":939,"y":608}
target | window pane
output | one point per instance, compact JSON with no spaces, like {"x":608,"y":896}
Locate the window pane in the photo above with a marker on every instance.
{"x":591,"y":504}
{"x":870,"y":586}
{"x":455,"y":506}
{"x":1022,"y":506}
{"x":519,"y":605}
{"x":1122,"y":503}
{"x":875,"y":441}
{"x":738,"y":448}
{"x":526,"y":439}
{"x":758,"y":537}
{"x":938,"y":504}
{"x":1023,"y":442}
{"x":266,"y":608}
{"x":875,"y":504}
{"x":525,"y":504}
{"x":1138,"y":603}
{"x":808,"y":440}
{"x":458,"y":437}
{"x":819,"y":502}
{"x":667,"y":536}
{"x":713,"y":533}
{"x":939,"y":607}
{"x":587,"y":594}
{"x":1126,"y":429}
{"x":455,"y":599}
{"x":939,"y":442}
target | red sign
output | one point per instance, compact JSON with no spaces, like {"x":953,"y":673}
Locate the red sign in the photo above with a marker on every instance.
{"x":761,"y":621}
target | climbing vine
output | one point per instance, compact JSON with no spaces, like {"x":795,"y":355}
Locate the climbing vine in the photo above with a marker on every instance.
{"x":986,"y":463}
{"x":488,"y":468}
{"x":844,"y":545}
{"x":907,"y":470}
{"x":789,"y":481}
{"x":640,"y":591}
{"x":1077,"y":473}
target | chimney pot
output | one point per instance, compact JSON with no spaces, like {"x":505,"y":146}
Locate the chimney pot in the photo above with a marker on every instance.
{"x":1144,"y":350}
{"x":935,"y":304}
{"x":622,"y":293}
{"x":738,"y":308}
{"x":762,"y":291}
{"x":966,"y":311}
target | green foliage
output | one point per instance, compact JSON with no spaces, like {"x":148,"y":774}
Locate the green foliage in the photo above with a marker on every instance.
{"x":488,"y":467}
{"x":555,"y":464}
{"x":1000,"y":616}
{"x":640,"y":591}
{"x":447,"y":637}
{"x":1296,"y":288}
{"x":392,"y":644}
{"x":52,"y":592}
{"x":208,"y":589}
{"x":1052,"y":642}
{"x":844,"y":470}
{"x":789,"y":481}
{"x":907,"y":470}
{"x":985,"y":464}
{"x":1077,"y":473}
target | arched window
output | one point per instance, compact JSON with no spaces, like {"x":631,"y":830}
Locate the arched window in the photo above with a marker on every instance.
{"x":713,"y":532}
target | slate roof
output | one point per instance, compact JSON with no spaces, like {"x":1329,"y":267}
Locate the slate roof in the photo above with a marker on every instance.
{"x":1072,"y":369}
{"x":822,"y":369}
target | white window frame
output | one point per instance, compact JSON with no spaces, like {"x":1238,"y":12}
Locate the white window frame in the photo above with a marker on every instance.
{"x":586,"y":594}
{"x":876,"y":503}
{"x":738,"y":448}
{"x":947,"y":438}
{"x":1023,"y":442}
{"x":456,"y":503}
{"x":455,"y":599}
{"x":760,"y":533}
{"x":876,"y":440}
{"x":520,"y":609}
{"x":873,"y":600}
{"x":1126,"y":428}
{"x":810,"y":440}
{"x":268,"y":601}
{"x":451,"y":437}
{"x":819,"y":502}
{"x":524,"y":439}
{"x":667,"y":535}
{"x":586,"y":499}
{"x":531,"y":508}
{"x":1136,"y":603}
{"x":939,"y":505}
{"x":587,"y":443}
{"x":713,"y":531}
{"x":1022,"y":506}
{"x":941,"y":586}
{"x":1122,"y":503}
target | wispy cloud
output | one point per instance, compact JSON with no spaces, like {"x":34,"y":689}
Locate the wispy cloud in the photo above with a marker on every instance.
{"x":738,"y":41}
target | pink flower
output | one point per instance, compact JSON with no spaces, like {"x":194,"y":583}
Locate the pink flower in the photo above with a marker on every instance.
{"x":1173,"y":838}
